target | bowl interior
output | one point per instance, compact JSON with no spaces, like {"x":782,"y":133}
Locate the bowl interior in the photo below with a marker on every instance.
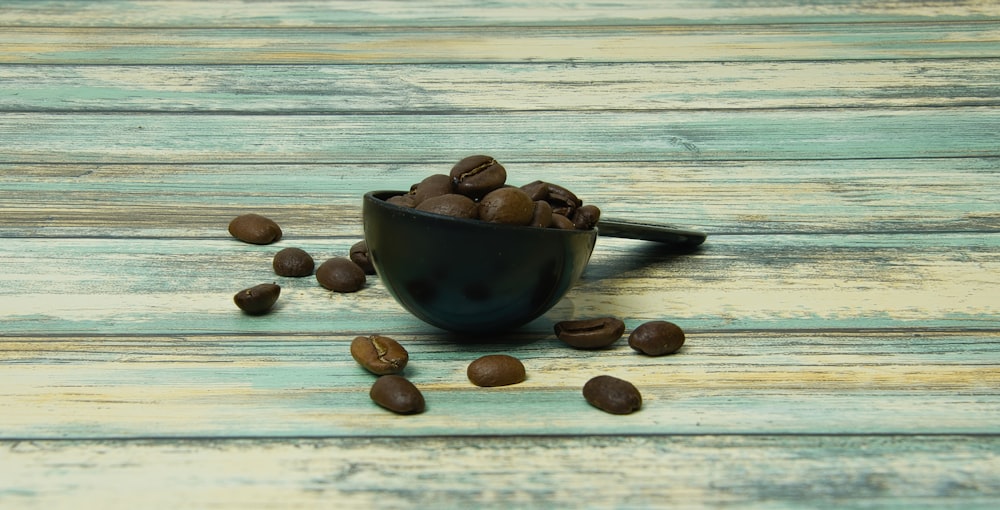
{"x":471,"y":276}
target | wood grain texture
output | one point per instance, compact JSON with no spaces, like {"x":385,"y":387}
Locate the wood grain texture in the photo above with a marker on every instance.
{"x":842,"y":319}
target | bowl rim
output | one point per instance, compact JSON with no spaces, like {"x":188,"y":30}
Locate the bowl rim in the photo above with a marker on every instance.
{"x":378,"y":197}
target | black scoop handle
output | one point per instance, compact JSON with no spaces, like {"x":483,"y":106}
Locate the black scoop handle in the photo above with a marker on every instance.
{"x":657,"y":232}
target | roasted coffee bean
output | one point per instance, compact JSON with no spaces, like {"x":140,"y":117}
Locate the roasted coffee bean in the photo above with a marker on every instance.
{"x":254,"y":229}
{"x":562,"y":222}
{"x":459,"y":206}
{"x":562,"y":200}
{"x":433,"y":186}
{"x":397,"y":394}
{"x":657,"y":338}
{"x":586,"y":216}
{"x":542,"y":215}
{"x":496,"y":370}
{"x":293,"y":262}
{"x":537,"y":190}
{"x":339,"y":274}
{"x":259,"y":299}
{"x":379,"y":354}
{"x":406,"y":200}
{"x":359,"y":255}
{"x":507,"y":205}
{"x":590,"y":333}
{"x":612,"y":395}
{"x":475,"y":176}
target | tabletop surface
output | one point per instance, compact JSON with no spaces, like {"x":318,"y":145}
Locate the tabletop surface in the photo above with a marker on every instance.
{"x":842,"y":319}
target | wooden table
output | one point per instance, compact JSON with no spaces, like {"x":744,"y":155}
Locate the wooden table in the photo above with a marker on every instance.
{"x":842,"y":318}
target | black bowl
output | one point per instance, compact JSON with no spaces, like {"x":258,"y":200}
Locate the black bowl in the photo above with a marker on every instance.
{"x":471,"y":276}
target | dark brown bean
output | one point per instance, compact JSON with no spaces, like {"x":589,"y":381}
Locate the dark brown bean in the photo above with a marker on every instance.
{"x":293,"y":262}
{"x":542,"y":215}
{"x":254,"y":229}
{"x":586,"y":217}
{"x":339,"y":274}
{"x":496,"y":370}
{"x":459,"y":206}
{"x":475,"y":176}
{"x":405,"y":200}
{"x":259,"y":299}
{"x":560,"y":221}
{"x":433,"y":186}
{"x":657,"y":338}
{"x":612,"y":395}
{"x":380,"y":355}
{"x":507,"y":205}
{"x":590,"y":333}
{"x":397,"y":394}
{"x":359,"y":255}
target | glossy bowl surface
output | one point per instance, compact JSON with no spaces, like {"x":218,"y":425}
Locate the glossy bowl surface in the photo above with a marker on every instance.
{"x":470,"y":276}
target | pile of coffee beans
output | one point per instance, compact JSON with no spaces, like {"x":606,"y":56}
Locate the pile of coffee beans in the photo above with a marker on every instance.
{"x":476,"y":188}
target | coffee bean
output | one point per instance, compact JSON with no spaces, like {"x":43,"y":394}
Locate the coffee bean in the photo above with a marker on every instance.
{"x":406,"y":200}
{"x":293,"y":262}
{"x":475,"y":176}
{"x":339,"y":274}
{"x":359,"y":255}
{"x":590,"y":333}
{"x":379,"y":354}
{"x":657,"y":338}
{"x":433,"y":186}
{"x":507,"y":205}
{"x":496,"y":370}
{"x":562,"y":222}
{"x":586,"y":216}
{"x":542,"y":215}
{"x":254,"y":229}
{"x":397,"y":394}
{"x":459,"y":206}
{"x":612,"y":395}
{"x":259,"y":299}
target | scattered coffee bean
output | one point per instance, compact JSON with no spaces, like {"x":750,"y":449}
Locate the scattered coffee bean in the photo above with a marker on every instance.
{"x":507,"y":205}
{"x":475,"y":176}
{"x":379,"y":354}
{"x":453,"y":204}
{"x":496,"y":370}
{"x":590,"y":333}
{"x":397,"y":394}
{"x":293,"y":262}
{"x":259,"y":299}
{"x":359,"y":255}
{"x":612,"y":395}
{"x":255,"y":229}
{"x":339,"y":274}
{"x":657,"y":338}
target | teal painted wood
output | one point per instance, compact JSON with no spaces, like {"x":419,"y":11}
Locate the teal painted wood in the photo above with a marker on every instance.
{"x":493,"y":88}
{"x":578,"y":44}
{"x":753,"y":471}
{"x":312,"y":13}
{"x":538,"y":137}
{"x":818,"y":282}
{"x":322,"y":200}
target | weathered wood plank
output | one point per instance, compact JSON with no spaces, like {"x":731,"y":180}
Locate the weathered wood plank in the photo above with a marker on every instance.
{"x":764,"y":471}
{"x":500,"y":87}
{"x":670,"y":43}
{"x":530,"y":136}
{"x":117,"y":286}
{"x":739,"y":383}
{"x":313,"y":13}
{"x":323,"y":200}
